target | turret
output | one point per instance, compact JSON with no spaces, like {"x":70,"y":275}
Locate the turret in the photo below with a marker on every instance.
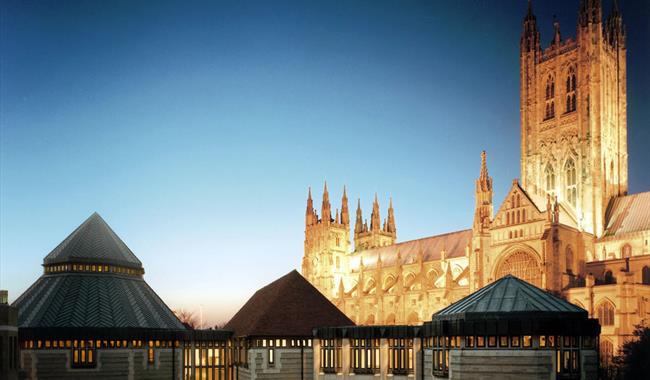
{"x":375,"y":220}
{"x":358,"y":225}
{"x":309,"y":213}
{"x":590,"y":12}
{"x":391,"y":218}
{"x":614,"y":28}
{"x":345,"y":213}
{"x":326,"y":209}
{"x":483,"y":196}
{"x":557,"y":36}
{"x":530,"y":35}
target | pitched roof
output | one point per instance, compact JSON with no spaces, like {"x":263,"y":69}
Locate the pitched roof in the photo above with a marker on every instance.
{"x":93,"y":242}
{"x":509,"y":295}
{"x":453,"y":243}
{"x":289,"y":306}
{"x":93,"y":300}
{"x":626,"y":214}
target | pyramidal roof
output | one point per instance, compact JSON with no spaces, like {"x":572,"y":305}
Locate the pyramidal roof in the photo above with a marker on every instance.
{"x":93,"y":242}
{"x":77,"y":299}
{"x":509,"y":295}
{"x":289,"y":306}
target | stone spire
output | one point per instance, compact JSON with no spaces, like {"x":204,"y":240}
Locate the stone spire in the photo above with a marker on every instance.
{"x":614,"y":27}
{"x":483,"y":195}
{"x":391,"y":218}
{"x":557,"y":37}
{"x":309,"y":213}
{"x":375,"y":220}
{"x":530,"y":35}
{"x":345,"y":212}
{"x":590,"y":12}
{"x":326,"y":209}
{"x":358,"y":225}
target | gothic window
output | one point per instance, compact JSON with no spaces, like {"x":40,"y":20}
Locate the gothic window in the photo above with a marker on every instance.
{"x":626,"y":251}
{"x":550,"y":179}
{"x":522,"y":265}
{"x":571,"y":182}
{"x":569,"y":260}
{"x":571,"y":91}
{"x":606,"y":352}
{"x":605,"y":312}
{"x":609,"y":277}
{"x":645,"y":275}
{"x":523,"y":216}
{"x":550,"y":95}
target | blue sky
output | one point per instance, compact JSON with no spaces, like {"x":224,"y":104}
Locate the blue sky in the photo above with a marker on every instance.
{"x":195,"y":128}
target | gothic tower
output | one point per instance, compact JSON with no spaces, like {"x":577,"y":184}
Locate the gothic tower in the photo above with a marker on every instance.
{"x":573,"y":114}
{"x":378,"y":235}
{"x":327,"y":243}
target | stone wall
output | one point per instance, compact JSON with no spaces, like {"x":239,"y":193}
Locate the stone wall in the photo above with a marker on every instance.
{"x":287,"y":365}
{"x":501,"y":364}
{"x":111,"y":364}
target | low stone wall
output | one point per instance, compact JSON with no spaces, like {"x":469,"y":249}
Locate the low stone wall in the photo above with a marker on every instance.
{"x":287,"y":365}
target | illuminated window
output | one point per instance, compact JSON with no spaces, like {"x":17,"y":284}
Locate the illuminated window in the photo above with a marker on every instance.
{"x":571,"y":183}
{"x":440,"y":347}
{"x":400,"y":356}
{"x":330,"y":355}
{"x":549,"y":182}
{"x":271,"y":357}
{"x":365,"y":355}
{"x":83,"y":354}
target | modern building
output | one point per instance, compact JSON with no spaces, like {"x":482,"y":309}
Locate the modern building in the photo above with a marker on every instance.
{"x":509,"y":329}
{"x":568,"y":225}
{"x":273,"y":331}
{"x":92,"y":315}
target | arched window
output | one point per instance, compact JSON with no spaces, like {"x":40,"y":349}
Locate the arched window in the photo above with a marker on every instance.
{"x":571,"y":90}
{"x":522,"y":265}
{"x":626,"y":251}
{"x":569,"y":260}
{"x":609,"y":277}
{"x":571,"y":182}
{"x":550,"y":95}
{"x":645,"y":275}
{"x":605,"y":313}
{"x":606,"y":352}
{"x":549,"y":174}
{"x":523,"y":216}
{"x":507,"y":218}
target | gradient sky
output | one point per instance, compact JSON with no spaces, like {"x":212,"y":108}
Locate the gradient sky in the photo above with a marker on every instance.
{"x":195,"y":128}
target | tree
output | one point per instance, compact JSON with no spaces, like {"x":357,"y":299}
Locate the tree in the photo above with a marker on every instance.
{"x":634,"y":360}
{"x":187,"y":318}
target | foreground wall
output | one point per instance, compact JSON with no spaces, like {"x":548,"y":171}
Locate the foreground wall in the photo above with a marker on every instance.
{"x":111,"y":364}
{"x":288,"y":364}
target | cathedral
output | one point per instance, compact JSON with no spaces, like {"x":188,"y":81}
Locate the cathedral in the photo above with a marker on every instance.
{"x":567,"y":225}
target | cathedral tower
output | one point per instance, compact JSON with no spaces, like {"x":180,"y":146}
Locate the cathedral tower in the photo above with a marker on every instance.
{"x":378,"y":235}
{"x":327,"y":243}
{"x":573,"y":120}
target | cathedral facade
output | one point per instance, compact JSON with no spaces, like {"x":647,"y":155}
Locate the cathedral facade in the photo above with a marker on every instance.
{"x":568,"y":225}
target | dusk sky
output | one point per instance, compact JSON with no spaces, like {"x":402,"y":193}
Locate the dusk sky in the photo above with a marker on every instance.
{"x":195,"y":128}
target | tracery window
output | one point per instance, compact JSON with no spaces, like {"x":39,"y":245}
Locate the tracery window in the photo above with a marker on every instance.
{"x":550,"y":95}
{"x":549,"y":183}
{"x":571,"y":182}
{"x":605,"y":314}
{"x":606,"y":352}
{"x":521,"y":265}
{"x":571,"y":91}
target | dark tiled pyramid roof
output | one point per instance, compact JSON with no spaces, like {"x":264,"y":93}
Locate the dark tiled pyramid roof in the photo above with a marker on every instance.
{"x":93,"y":300}
{"x":93,"y":242}
{"x":289,"y":306}
{"x":509,"y":295}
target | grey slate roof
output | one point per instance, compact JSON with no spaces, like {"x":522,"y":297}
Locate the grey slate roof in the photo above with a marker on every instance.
{"x":97,"y":300}
{"x":93,"y":300}
{"x":93,"y":242}
{"x":509,"y":295}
